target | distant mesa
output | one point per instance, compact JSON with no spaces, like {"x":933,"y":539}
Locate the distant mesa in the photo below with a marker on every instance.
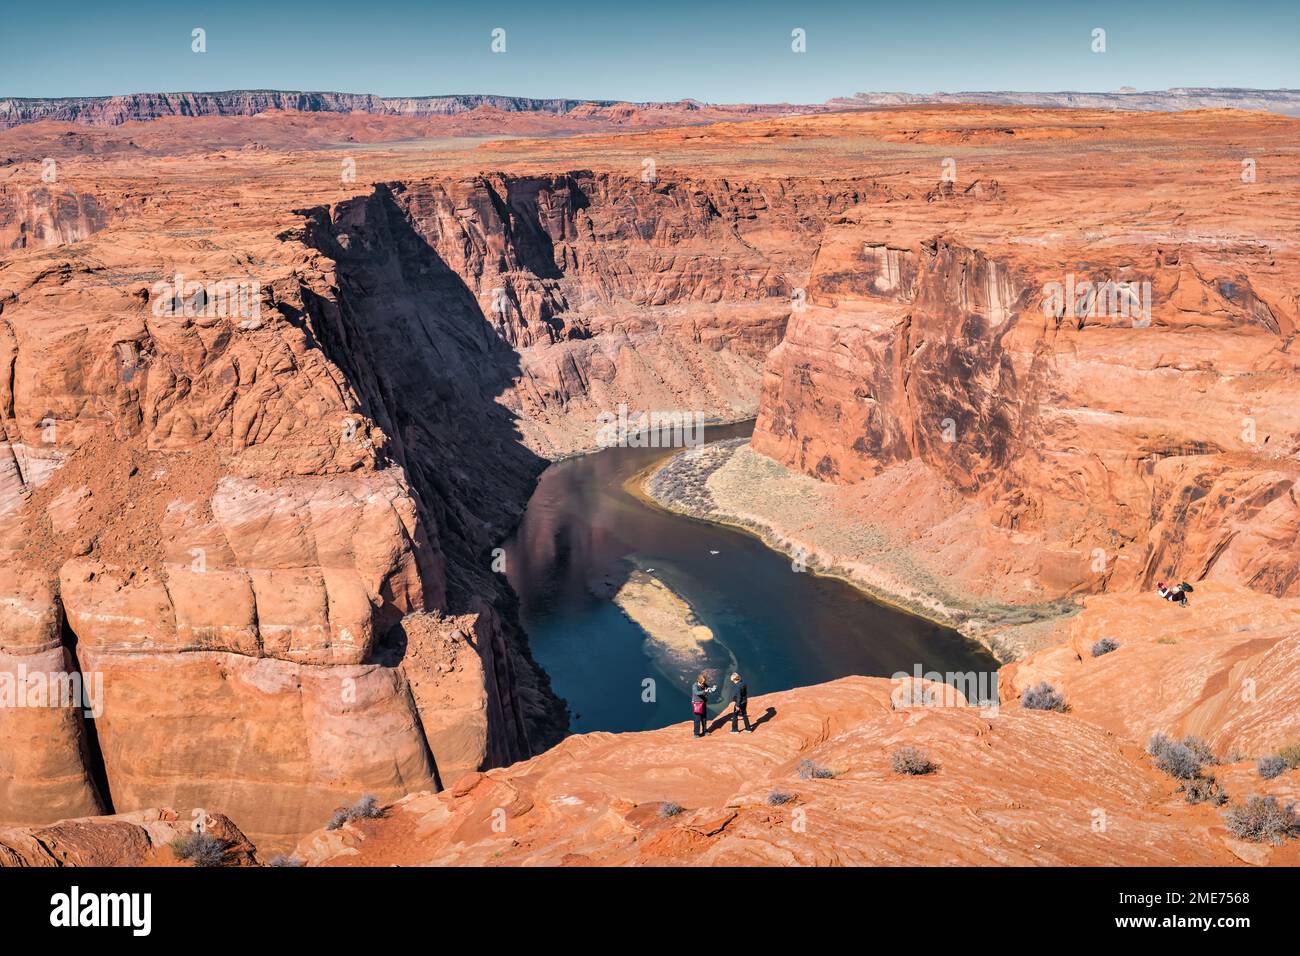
{"x":1283,"y":101}
{"x":116,"y":110}
{"x":134,"y":107}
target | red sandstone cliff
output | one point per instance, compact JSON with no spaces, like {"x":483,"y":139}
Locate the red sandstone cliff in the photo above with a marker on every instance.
{"x":663,"y":295}
{"x":271,"y":535}
{"x":1010,"y":786}
{"x":1102,"y":453}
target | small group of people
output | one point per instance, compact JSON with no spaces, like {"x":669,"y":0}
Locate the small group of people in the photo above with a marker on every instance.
{"x":739,"y":704}
{"x":1178,"y":593}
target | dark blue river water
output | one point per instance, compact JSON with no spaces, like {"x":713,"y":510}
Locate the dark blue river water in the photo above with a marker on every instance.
{"x":583,"y":533}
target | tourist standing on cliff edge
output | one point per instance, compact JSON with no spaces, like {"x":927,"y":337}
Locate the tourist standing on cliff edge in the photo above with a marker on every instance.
{"x":700,"y":704}
{"x":739,"y":703}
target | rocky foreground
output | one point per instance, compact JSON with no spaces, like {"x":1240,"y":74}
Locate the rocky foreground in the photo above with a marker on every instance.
{"x":815,"y":784}
{"x":269,"y":531}
{"x":818,"y":781}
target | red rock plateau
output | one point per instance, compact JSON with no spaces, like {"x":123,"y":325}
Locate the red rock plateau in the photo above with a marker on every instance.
{"x":271,"y":532}
{"x":1019,"y":788}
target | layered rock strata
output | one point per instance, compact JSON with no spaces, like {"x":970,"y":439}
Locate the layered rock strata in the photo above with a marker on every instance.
{"x":255,"y":476}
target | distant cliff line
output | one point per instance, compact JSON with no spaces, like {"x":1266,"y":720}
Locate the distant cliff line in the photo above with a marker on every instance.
{"x":1284,"y":101}
{"x":116,"y":110}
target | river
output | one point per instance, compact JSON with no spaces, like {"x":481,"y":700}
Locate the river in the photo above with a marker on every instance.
{"x":583,"y":534}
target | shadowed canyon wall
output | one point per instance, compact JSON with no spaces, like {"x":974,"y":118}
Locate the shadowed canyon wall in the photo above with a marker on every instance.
{"x":270,"y":535}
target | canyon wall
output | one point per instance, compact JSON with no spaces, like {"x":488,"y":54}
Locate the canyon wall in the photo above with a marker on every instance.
{"x":267,"y":524}
{"x":52,"y":215}
{"x":1178,"y":98}
{"x":142,"y":107}
{"x":1109,"y":441}
{"x":203,"y":511}
{"x":663,"y":295}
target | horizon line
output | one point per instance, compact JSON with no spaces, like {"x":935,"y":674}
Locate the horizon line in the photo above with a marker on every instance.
{"x":1123,"y":91}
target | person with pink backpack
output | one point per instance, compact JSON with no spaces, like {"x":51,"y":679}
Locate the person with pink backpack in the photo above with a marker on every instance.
{"x":700,"y":704}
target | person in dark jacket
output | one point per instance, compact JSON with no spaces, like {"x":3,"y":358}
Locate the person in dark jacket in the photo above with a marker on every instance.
{"x":700,"y":704}
{"x":739,"y":704}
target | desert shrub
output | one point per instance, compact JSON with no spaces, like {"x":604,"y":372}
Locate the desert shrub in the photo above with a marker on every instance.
{"x":281,"y":859}
{"x":1042,"y":696}
{"x":1200,"y":748}
{"x":669,"y":809}
{"x":808,"y":770}
{"x":911,"y":761}
{"x":1158,"y":742}
{"x":1174,"y":758}
{"x":1272,"y":766}
{"x":1291,"y":754}
{"x":200,"y":848}
{"x":1204,"y":790}
{"x":779,"y":798}
{"x":1180,"y":758}
{"x":367,"y":808}
{"x":1104,"y":646}
{"x":1262,"y":820}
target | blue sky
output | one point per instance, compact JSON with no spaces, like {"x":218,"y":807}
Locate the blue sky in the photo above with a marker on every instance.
{"x":644,"y":49}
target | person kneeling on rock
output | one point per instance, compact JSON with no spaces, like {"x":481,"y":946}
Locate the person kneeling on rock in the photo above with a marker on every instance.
{"x":700,"y":704}
{"x":1177,"y":593}
{"x":739,"y":703}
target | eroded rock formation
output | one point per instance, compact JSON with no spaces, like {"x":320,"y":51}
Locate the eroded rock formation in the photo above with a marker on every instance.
{"x":142,"y":838}
{"x":1144,"y":432}
{"x":269,"y":531}
{"x":1223,"y":673}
